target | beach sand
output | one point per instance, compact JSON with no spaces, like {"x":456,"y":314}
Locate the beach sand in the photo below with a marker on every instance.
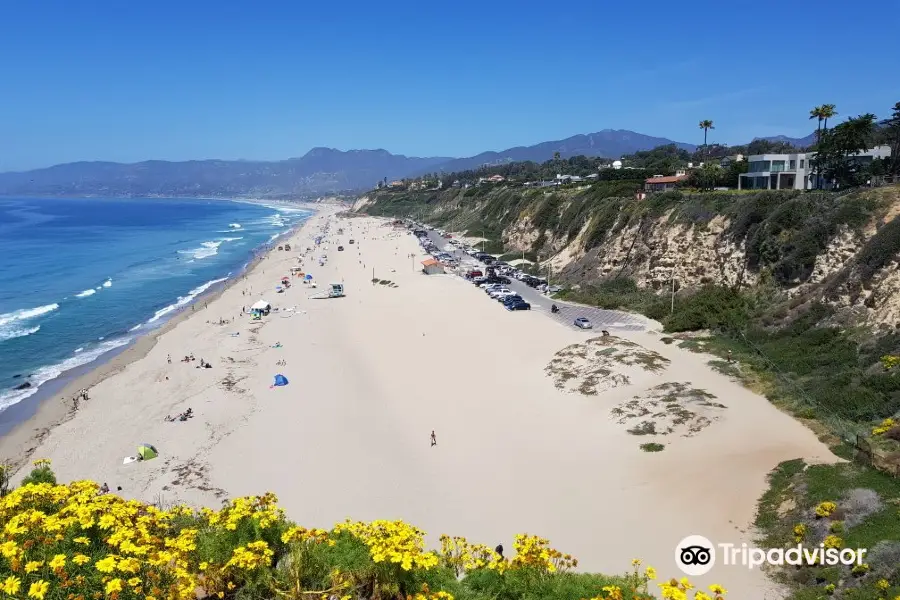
{"x":527,"y":441}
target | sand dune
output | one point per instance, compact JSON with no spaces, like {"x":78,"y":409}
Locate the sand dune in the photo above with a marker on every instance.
{"x":521,"y":447}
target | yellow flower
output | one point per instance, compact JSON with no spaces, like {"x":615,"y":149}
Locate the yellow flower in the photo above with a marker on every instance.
{"x":718,"y":589}
{"x":11,"y":585}
{"x":114,"y":585}
{"x":82,"y":540}
{"x":80,"y":559}
{"x":651,"y":573}
{"x":33,"y":566}
{"x":38,"y":589}
{"x":9,"y":549}
{"x":58,"y":562}
{"x":106,"y":565}
{"x":824,"y":509}
{"x":882,"y":584}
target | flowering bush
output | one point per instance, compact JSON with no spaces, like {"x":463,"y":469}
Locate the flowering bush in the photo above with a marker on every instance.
{"x":72,"y":542}
{"x":824,"y":509}
{"x":884,"y":427}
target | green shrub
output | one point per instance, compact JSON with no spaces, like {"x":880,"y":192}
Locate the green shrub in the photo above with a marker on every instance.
{"x":40,"y":474}
{"x":710,"y":307}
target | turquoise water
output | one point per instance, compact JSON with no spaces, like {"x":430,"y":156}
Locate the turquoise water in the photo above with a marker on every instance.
{"x":80,"y":278}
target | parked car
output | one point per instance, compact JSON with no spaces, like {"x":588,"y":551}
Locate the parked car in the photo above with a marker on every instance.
{"x":494,"y":293}
{"x":583,"y":323}
{"x":518,"y":305}
{"x":501,"y":294}
{"x":352,"y":242}
{"x":340,"y":248}
{"x":510,"y":299}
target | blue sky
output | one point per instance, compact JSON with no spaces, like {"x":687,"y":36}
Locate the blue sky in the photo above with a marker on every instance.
{"x":131,"y":80}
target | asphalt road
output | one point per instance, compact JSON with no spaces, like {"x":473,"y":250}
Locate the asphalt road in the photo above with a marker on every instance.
{"x":600,"y":318}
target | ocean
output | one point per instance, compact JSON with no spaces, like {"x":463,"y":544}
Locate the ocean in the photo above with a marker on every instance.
{"x":80,"y":278}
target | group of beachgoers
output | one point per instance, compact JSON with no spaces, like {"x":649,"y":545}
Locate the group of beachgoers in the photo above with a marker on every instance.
{"x":81,"y":395}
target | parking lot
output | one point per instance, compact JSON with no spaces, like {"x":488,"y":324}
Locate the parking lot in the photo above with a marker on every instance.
{"x":600,"y":318}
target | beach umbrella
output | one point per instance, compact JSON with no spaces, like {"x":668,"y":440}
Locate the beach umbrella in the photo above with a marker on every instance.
{"x":147,"y":451}
{"x":280,"y":380}
{"x":308,"y":276}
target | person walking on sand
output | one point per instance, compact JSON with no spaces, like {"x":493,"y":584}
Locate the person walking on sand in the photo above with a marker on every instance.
{"x":169,"y":358}
{"x":433,"y":439}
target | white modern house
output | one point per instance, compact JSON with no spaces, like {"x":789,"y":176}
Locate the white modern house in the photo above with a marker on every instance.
{"x":791,"y":171}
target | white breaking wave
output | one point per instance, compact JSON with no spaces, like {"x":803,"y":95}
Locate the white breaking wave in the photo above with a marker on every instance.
{"x":12,"y":325}
{"x":45,"y":374}
{"x":234,"y":225}
{"x":14,"y":332}
{"x":230,"y":239}
{"x":205,"y":250}
{"x":86,"y":293}
{"x":107,"y":283}
{"x":184,"y":300}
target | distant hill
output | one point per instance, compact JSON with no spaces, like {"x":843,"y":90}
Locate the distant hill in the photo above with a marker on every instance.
{"x":803,"y":142}
{"x":321,"y":170}
{"x":609,"y":143}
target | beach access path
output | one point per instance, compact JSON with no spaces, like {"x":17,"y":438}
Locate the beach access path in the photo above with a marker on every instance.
{"x":519,"y":448}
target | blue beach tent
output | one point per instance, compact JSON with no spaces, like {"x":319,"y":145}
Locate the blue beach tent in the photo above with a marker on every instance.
{"x":280,"y":380}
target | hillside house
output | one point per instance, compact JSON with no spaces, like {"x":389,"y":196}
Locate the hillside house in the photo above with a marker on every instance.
{"x":661,"y":183}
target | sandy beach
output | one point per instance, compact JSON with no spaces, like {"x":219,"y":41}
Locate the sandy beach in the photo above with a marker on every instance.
{"x":531,"y":418}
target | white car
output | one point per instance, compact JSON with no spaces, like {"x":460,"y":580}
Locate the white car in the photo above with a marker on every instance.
{"x":498,"y":292}
{"x":501,"y":294}
{"x":490,"y":286}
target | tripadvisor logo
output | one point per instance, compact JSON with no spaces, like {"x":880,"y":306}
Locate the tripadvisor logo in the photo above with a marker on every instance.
{"x":695,"y":555}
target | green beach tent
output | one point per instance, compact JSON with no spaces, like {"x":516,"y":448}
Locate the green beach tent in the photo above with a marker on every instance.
{"x":146,"y":452}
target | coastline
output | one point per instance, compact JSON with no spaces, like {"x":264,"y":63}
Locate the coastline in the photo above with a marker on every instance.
{"x":52,"y":406}
{"x":520,"y":447}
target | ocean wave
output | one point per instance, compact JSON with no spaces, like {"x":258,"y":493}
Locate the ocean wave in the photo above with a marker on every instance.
{"x":205,"y":250}
{"x":234,"y":225}
{"x":15,"y":332}
{"x":45,"y":374}
{"x":86,"y":293}
{"x":107,"y":283}
{"x":230,"y":239}
{"x":184,"y":300}
{"x":12,"y":324}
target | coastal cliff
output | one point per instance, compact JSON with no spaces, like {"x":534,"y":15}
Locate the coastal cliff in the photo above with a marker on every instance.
{"x":841,"y":250}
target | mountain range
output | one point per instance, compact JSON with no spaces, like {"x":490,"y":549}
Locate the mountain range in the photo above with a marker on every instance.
{"x":319,"y":171}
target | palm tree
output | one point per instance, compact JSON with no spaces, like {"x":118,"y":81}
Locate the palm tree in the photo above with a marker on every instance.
{"x":706,"y":125}
{"x":818,"y":113}
{"x":827,"y":113}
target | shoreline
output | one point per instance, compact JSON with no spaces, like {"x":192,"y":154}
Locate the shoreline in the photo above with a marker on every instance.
{"x":39,"y":414}
{"x":535,"y":430}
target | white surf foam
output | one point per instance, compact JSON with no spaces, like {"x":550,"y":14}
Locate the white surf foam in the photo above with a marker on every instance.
{"x":205,"y":250}
{"x":86,"y":293}
{"x":45,"y":374}
{"x":234,"y":225}
{"x":230,"y":239}
{"x":12,"y":325}
{"x":107,"y":283}
{"x":184,"y":300}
